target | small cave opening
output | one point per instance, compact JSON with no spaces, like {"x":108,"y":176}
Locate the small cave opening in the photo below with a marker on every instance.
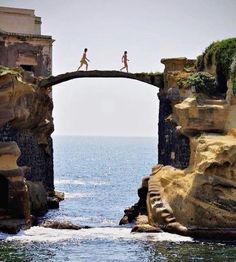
{"x":221,"y":82}
{"x":28,"y":68}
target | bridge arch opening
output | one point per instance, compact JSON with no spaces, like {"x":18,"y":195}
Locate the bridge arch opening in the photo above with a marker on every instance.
{"x":101,"y":169}
{"x":105,"y":107}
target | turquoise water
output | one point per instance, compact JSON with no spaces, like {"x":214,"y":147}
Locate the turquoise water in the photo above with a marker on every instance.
{"x":100,"y":177}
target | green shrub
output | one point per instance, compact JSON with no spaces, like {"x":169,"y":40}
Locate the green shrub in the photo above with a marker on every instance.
{"x":200,"y":63}
{"x":182,"y":83}
{"x":223,"y":52}
{"x":203,"y":82}
{"x":233,"y":73}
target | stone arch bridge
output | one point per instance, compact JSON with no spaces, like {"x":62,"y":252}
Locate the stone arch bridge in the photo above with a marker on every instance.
{"x":155,"y":79}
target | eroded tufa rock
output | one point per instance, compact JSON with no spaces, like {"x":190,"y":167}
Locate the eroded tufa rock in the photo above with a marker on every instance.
{"x":24,"y":105}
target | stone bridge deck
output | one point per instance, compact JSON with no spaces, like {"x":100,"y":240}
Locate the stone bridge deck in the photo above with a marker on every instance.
{"x":152,"y":79}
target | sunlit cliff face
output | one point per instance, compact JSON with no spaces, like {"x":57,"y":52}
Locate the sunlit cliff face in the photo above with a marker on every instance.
{"x":25,"y":106}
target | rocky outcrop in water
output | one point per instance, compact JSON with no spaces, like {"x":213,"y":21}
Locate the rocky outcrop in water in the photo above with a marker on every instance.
{"x":192,"y":191}
{"x":61,"y":225}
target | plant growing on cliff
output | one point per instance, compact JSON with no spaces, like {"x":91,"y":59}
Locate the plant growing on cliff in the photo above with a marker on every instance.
{"x":182,"y":80}
{"x":220,"y":54}
{"x":233,"y":73}
{"x":14,"y":71}
{"x":203,"y":82}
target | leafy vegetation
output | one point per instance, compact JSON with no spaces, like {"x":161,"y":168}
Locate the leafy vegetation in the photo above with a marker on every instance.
{"x":182,"y":80}
{"x":182,"y":83}
{"x":190,"y":64}
{"x":233,"y":73}
{"x":17,"y":71}
{"x":220,"y":54}
{"x":203,"y":82}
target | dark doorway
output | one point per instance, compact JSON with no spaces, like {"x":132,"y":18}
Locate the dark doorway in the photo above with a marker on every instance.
{"x":3,"y":192}
{"x":29,"y":68}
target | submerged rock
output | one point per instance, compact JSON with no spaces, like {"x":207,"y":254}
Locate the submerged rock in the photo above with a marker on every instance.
{"x":146,"y":228}
{"x":61,"y":225}
{"x":142,"y":225}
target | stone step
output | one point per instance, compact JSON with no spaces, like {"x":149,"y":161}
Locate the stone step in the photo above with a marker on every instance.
{"x":154,"y":192}
{"x":165,"y":215}
{"x":154,"y":184}
{"x":154,"y":199}
{"x":170,"y":220}
{"x":158,"y":205}
{"x":163,"y":210}
{"x":153,"y":189}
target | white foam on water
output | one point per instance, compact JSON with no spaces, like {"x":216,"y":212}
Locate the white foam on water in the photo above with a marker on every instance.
{"x":76,"y":195}
{"x":40,"y":234}
{"x":3,"y":236}
{"x":79,"y":182}
{"x":69,"y":182}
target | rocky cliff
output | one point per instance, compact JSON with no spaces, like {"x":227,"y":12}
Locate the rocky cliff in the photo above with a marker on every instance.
{"x":192,"y":191}
{"x":26,"y":118}
{"x":26,"y":153}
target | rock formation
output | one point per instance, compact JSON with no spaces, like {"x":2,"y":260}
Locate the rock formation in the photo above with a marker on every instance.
{"x":14,"y":197}
{"x":26,"y":118}
{"x":192,"y":191}
{"x":61,"y":225}
{"x":25,"y":128}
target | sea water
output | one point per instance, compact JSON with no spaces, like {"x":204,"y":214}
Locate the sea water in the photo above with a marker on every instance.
{"x":100,"y":177}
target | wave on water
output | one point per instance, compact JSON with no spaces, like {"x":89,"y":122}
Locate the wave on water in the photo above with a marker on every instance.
{"x":76,"y":195}
{"x":79,"y":182}
{"x":41,"y":234}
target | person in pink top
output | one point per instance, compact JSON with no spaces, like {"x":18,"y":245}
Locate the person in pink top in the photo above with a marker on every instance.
{"x":84,"y":60}
{"x":125,"y":61}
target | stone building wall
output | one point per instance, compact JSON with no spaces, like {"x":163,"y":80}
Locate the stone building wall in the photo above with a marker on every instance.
{"x":18,"y":20}
{"x":21,"y":44}
{"x":32,"y":53}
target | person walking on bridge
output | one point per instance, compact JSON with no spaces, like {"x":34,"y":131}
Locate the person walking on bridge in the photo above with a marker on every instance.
{"x":84,"y":60}
{"x":125,"y":60}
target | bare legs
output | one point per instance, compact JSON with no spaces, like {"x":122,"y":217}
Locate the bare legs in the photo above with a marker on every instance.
{"x":125,"y":67}
{"x":83,"y":63}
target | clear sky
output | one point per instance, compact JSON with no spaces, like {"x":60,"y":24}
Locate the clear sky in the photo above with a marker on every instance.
{"x":148,"y":29}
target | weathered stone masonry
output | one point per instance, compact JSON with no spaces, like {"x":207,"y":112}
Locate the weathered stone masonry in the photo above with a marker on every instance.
{"x":21,"y":44}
